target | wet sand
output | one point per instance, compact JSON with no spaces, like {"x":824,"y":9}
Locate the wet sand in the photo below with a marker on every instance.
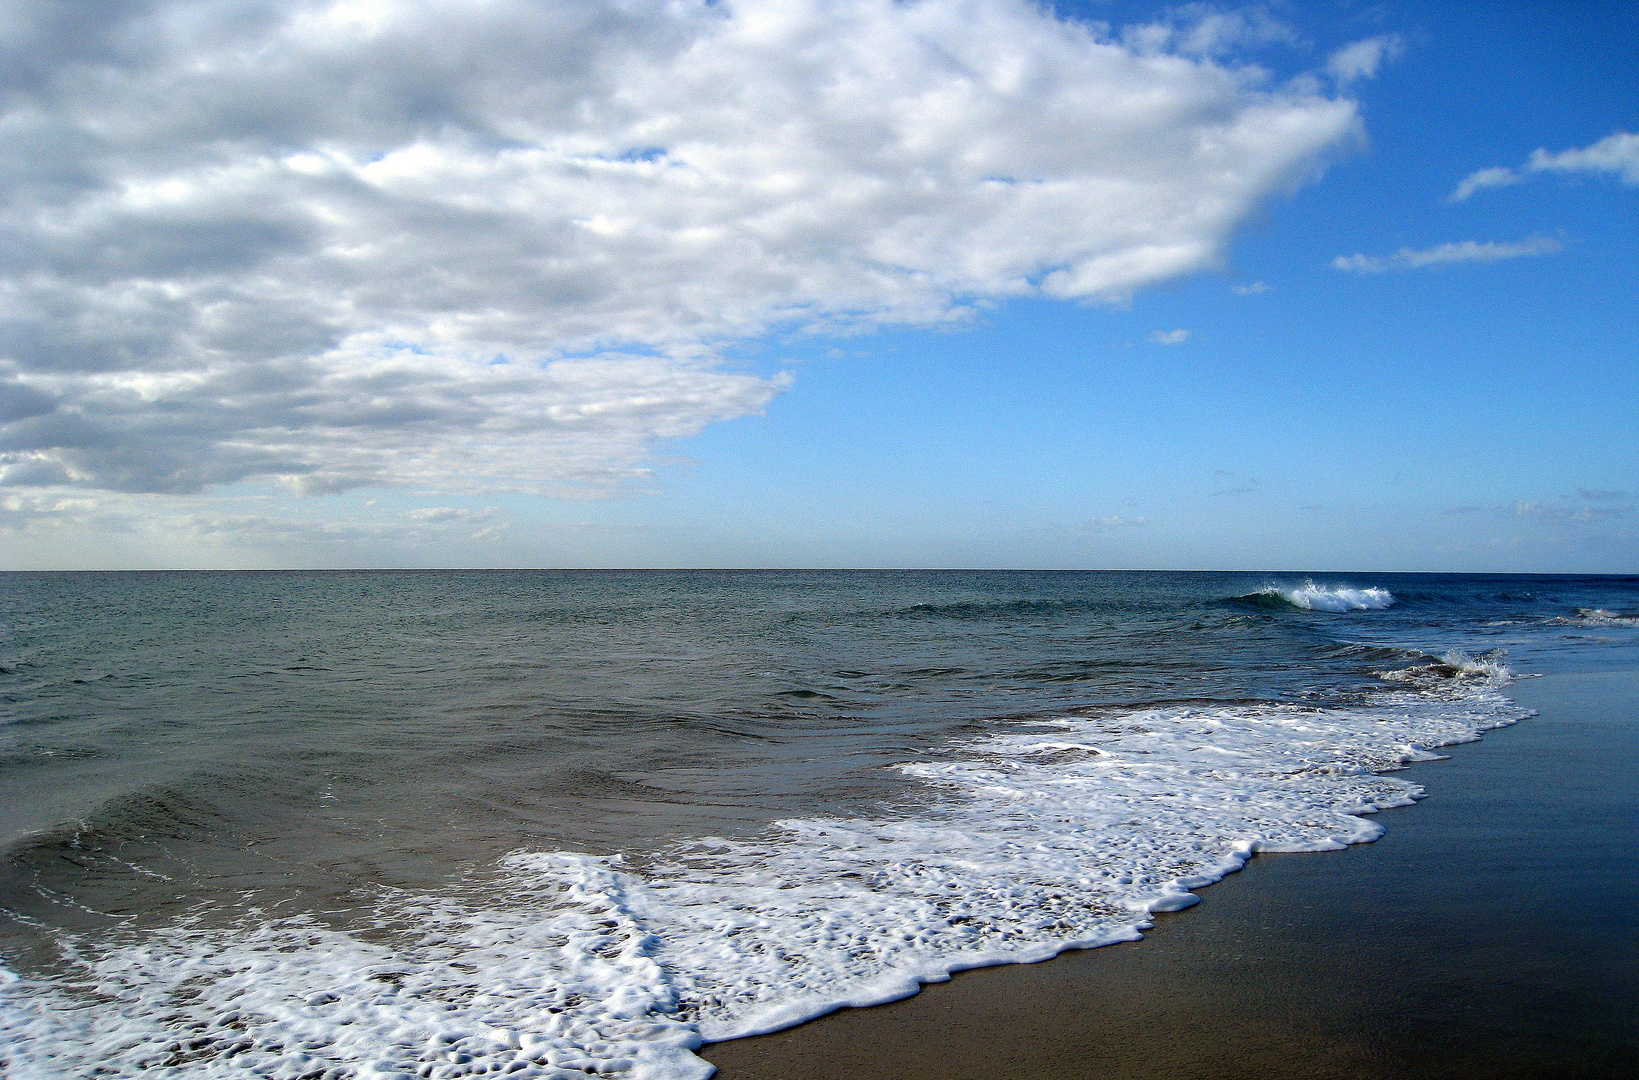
{"x":1493,"y":933}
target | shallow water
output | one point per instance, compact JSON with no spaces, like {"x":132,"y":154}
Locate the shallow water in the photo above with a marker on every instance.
{"x":1493,"y":932}
{"x":427,"y":823}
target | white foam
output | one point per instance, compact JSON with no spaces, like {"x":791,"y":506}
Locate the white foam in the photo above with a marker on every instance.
{"x":1038,"y":837}
{"x":1596,"y":617}
{"x":1336,"y":598}
{"x":556,"y":982}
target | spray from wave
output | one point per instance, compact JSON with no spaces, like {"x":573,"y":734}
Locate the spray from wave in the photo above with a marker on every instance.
{"x":1312,"y":597}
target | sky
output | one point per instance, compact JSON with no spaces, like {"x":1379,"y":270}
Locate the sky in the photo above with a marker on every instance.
{"x":1321,"y":286}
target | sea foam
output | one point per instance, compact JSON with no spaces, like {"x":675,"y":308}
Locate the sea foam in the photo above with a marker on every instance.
{"x":1039,"y":836}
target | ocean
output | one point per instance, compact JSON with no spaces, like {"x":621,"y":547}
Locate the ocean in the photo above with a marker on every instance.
{"x":574,"y":823}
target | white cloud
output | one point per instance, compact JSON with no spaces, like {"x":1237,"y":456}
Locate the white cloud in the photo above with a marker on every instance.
{"x":496,"y":245}
{"x":199,"y":530}
{"x":1617,"y":153}
{"x":1465,"y":251}
{"x":1202,"y":29}
{"x":1362,"y":59}
{"x":1250,"y":289}
{"x":1168,"y":337}
{"x":450,"y":513}
{"x":1485,"y":178}
{"x":1115,"y":521}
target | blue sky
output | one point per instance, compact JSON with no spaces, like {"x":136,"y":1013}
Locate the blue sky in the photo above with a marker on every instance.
{"x":1459,"y":397}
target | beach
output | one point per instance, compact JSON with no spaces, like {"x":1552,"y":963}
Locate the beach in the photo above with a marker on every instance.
{"x":1492,"y":932}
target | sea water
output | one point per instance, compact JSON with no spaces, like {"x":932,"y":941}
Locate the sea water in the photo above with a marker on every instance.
{"x":573,"y":824}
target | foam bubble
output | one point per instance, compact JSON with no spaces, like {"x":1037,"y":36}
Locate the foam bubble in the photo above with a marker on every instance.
{"x":1037,"y":837}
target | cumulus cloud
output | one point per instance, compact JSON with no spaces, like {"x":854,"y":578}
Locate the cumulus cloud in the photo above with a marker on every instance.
{"x":1617,"y":154}
{"x":1168,"y":337}
{"x":1465,"y":251}
{"x":1362,"y":59}
{"x":358,"y":416}
{"x":1251,"y":289}
{"x":1201,"y":29}
{"x":499,"y":245}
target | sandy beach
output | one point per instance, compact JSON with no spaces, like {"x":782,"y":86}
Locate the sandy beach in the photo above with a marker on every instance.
{"x":1493,"y":932}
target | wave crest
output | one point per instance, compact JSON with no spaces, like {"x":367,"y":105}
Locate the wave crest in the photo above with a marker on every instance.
{"x":1454,"y":665}
{"x":1597,"y":617}
{"x":1312,"y":597}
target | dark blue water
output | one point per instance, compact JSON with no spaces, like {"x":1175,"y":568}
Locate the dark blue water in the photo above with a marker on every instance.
{"x":194,"y":746}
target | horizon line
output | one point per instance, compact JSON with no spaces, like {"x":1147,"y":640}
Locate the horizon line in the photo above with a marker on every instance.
{"x":789,"y":570}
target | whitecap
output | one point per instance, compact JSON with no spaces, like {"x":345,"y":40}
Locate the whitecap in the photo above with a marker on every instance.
{"x":1336,"y":598}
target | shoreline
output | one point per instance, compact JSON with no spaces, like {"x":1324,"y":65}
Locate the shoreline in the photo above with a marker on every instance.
{"x":1491,"y":932}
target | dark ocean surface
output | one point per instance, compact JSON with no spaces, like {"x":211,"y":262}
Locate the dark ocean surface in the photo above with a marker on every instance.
{"x":562,"y":824}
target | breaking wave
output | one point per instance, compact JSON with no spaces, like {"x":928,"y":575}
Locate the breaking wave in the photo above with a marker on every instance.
{"x":1453,"y":665}
{"x":1312,"y":597}
{"x":1597,"y":617}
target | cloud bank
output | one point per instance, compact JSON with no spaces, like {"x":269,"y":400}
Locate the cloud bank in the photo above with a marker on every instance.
{"x":1617,"y":154}
{"x":500,"y":244}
